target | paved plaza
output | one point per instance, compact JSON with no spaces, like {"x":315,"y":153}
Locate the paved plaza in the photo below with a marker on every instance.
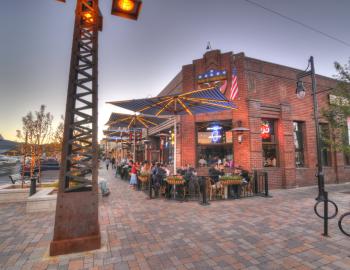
{"x":281,"y":232}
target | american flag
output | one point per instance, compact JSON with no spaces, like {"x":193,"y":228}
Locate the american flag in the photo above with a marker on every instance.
{"x":234,"y":86}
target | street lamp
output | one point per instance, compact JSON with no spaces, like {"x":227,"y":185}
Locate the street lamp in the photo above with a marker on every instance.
{"x":76,"y":221}
{"x":300,"y":92}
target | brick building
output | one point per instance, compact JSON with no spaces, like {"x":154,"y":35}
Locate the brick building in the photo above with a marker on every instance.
{"x":281,"y":133}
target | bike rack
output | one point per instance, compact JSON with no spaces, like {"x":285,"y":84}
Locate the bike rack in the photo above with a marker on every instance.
{"x":326,"y":217}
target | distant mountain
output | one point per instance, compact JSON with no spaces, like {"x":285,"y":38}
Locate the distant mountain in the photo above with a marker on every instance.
{"x":6,"y":145}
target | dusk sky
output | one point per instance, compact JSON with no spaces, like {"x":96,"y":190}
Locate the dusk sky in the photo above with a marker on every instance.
{"x":138,"y":58}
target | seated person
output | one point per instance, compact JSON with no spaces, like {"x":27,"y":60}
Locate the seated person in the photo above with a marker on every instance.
{"x":202,"y":162}
{"x":214,"y":173}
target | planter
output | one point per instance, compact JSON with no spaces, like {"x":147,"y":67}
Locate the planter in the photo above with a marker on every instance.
{"x":231,"y":180}
{"x":143,"y":178}
{"x":175,"y":180}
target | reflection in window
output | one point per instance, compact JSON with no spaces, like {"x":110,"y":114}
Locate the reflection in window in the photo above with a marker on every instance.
{"x":269,"y":143}
{"x":298,"y":144}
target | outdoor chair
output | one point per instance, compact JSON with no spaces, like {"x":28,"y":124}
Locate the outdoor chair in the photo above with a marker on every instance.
{"x":217,"y":190}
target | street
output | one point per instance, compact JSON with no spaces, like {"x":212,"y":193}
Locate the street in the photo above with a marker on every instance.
{"x":281,"y":232}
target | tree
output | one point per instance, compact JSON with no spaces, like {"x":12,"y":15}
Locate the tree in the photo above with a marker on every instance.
{"x":36,"y":131}
{"x":338,"y":113}
{"x":57,"y":138}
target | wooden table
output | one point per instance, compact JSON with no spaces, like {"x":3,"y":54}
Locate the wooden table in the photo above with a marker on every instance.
{"x":230,"y":182}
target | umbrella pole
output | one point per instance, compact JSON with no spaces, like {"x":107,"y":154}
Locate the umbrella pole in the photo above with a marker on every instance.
{"x":175,"y":135}
{"x":134,"y":145}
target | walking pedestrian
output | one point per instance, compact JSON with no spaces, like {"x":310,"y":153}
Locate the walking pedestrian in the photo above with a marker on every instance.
{"x":107,"y":161}
{"x":113,"y":163}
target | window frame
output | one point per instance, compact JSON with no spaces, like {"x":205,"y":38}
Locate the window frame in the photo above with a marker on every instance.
{"x":275,"y":143}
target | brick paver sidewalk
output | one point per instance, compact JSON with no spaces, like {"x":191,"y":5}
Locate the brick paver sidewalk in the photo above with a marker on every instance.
{"x":281,"y":232}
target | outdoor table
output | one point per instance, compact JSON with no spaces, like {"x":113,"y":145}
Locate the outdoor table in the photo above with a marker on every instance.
{"x":175,"y":182}
{"x":230,"y":182}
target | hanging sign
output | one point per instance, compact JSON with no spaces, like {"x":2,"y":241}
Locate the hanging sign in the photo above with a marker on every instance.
{"x":265,"y":130}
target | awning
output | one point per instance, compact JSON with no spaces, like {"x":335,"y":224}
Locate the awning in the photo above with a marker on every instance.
{"x":194,"y":102}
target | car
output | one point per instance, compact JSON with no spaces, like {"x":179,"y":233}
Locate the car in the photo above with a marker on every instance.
{"x":49,"y":164}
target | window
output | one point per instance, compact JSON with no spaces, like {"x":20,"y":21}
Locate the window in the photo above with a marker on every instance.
{"x":269,"y":143}
{"x":325,"y":145}
{"x":214,"y":142}
{"x":298,"y":134}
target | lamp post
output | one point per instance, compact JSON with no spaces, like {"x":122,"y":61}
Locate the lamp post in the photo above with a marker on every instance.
{"x":76,"y":221}
{"x":300,"y":92}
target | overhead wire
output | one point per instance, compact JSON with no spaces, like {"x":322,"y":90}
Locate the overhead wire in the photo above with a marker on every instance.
{"x":298,"y":22}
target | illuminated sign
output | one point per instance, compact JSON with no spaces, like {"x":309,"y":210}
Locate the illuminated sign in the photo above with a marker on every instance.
{"x":214,"y":128}
{"x":215,"y":133}
{"x":265,"y":130}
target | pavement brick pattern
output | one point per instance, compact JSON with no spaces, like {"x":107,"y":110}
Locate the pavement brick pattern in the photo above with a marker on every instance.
{"x":281,"y":232}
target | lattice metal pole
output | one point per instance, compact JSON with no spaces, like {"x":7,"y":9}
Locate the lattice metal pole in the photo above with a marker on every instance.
{"x":76,"y":223}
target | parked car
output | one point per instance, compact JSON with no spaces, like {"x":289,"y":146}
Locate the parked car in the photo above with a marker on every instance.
{"x":49,"y":164}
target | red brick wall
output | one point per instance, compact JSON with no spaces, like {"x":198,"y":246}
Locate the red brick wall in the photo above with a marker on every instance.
{"x":262,"y":85}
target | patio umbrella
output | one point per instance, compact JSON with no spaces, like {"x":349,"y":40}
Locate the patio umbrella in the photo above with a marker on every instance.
{"x":194,"y":102}
{"x":133,"y":122}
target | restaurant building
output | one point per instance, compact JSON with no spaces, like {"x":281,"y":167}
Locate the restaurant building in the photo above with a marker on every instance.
{"x":272,"y":130}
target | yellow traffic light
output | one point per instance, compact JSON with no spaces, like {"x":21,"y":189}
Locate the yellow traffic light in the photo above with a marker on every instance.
{"x":128,"y":9}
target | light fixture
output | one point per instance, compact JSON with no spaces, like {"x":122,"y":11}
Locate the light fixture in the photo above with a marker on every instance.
{"x":300,"y":90}
{"x":128,"y":9}
{"x":239,"y":129}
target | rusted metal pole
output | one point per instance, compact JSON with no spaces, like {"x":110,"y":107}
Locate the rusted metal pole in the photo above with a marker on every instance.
{"x":76,"y":222}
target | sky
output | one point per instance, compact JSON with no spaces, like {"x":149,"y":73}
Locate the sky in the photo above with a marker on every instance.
{"x":139,"y":58}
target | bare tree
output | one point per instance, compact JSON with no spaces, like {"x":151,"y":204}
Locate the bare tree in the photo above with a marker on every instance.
{"x":37,"y":131}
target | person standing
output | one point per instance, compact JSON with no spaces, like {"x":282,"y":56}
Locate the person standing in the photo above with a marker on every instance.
{"x":113,"y":163}
{"x":133,"y":172}
{"x":107,"y":161}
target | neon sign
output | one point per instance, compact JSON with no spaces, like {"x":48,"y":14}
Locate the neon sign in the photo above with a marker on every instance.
{"x":265,"y":130}
{"x":215,"y":133}
{"x":214,"y":128}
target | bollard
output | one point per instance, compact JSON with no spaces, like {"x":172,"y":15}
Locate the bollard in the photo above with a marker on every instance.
{"x":266,"y":176}
{"x":325,"y":215}
{"x":32,"y":190}
{"x":255,"y":181}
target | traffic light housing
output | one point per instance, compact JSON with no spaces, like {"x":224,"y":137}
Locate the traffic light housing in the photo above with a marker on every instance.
{"x":128,"y":9}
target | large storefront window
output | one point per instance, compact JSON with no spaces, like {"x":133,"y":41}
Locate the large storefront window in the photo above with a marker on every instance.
{"x":269,"y":143}
{"x":214,"y":143}
{"x":298,"y":134}
{"x":325,"y":145}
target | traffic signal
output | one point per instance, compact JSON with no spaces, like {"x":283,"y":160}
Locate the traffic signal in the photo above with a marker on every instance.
{"x":128,"y":9}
